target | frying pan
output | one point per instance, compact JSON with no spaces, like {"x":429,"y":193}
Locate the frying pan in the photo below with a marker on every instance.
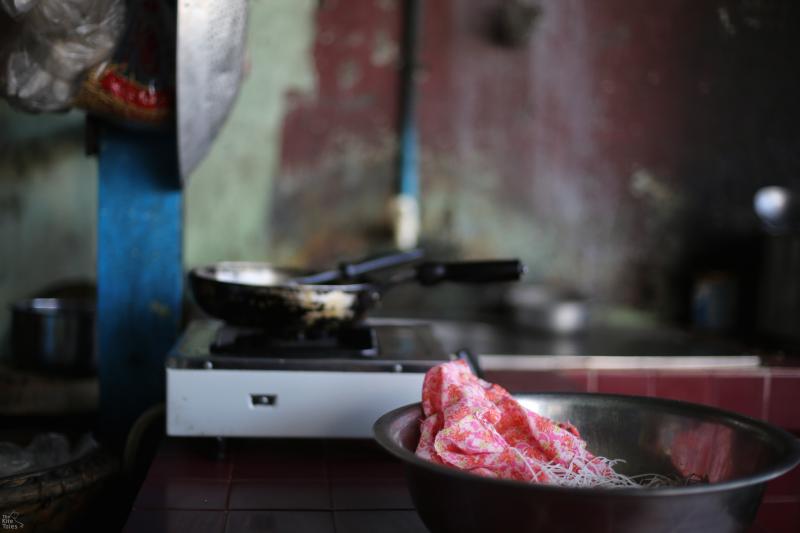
{"x":263,"y":296}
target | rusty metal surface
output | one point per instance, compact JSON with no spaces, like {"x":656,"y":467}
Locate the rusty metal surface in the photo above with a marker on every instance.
{"x":615,"y":150}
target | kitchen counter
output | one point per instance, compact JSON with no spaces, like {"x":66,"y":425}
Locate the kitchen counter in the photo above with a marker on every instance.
{"x":347,"y":486}
{"x":313,"y":486}
{"x":485,"y":337}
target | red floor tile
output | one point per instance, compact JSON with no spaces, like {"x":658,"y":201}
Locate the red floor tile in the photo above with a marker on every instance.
{"x":779,"y":517}
{"x":629,"y":383}
{"x":279,"y":494}
{"x":784,"y":402}
{"x":182,"y":494}
{"x":786,"y":485}
{"x":164,"y":521}
{"x":579,"y":378}
{"x":177,"y":446}
{"x":279,"y":459}
{"x":361,"y":460}
{"x":741,"y":394}
{"x":280,"y":522}
{"x":196,"y":462}
{"x":378,"y":521}
{"x":370,"y":494}
{"x":540,"y":381}
{"x":687,"y":388}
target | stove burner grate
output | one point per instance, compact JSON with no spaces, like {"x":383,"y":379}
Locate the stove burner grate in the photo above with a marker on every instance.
{"x":357,"y":342}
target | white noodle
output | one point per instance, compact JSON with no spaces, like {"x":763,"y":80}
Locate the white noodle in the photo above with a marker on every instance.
{"x":584,"y":474}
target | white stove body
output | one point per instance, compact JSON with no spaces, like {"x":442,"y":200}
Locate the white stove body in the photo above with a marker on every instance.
{"x":275,"y":403}
{"x":210,"y":394}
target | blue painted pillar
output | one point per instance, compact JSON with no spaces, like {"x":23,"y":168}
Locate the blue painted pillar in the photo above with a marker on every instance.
{"x":139,"y":271}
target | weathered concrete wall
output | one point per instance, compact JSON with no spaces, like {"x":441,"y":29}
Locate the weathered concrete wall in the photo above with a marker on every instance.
{"x":565,"y":151}
{"x":48,"y":205}
{"x":615,"y":151}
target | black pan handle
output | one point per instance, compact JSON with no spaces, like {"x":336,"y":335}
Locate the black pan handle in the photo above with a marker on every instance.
{"x":351,"y":271}
{"x":470,"y":271}
{"x":381,"y":262}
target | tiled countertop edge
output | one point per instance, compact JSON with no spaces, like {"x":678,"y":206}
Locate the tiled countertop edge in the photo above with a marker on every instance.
{"x":610,"y":362}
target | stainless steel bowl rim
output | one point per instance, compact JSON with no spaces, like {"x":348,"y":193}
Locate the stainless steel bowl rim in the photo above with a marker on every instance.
{"x":380,"y":432}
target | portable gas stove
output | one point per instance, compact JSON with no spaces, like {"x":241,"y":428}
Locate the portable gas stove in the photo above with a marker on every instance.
{"x":226,"y":381}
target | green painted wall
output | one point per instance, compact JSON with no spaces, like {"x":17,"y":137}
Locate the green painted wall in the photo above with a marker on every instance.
{"x":229,"y":195}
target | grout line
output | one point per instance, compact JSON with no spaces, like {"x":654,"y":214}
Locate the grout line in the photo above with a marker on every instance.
{"x":766,"y":397}
{"x":650,"y":384}
{"x":231,"y":460}
{"x":326,"y":467}
{"x":378,"y":509}
{"x":333,"y":521}
{"x":591,"y":380}
{"x":160,"y":481}
{"x":191,"y":509}
{"x":713,"y":394}
{"x":300,"y":509}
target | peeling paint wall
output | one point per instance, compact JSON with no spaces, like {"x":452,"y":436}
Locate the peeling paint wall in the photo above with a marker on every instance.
{"x":589,"y":151}
{"x":335,"y":177}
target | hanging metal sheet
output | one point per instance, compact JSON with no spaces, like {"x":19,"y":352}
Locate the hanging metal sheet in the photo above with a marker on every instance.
{"x":211,"y":47}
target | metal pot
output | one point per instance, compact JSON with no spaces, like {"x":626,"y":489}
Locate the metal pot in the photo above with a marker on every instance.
{"x":548,"y":310}
{"x":738,"y":454}
{"x":54,"y":335}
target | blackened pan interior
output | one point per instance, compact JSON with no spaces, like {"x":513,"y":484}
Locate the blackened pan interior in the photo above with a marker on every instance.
{"x":261,"y":296}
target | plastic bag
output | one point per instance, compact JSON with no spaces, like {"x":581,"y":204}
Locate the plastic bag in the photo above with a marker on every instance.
{"x":137,"y":85}
{"x":16,"y":8}
{"x":46,"y":450}
{"x":57,"y":41}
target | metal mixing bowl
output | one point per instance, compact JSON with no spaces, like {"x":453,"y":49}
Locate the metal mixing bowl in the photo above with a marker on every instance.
{"x":738,"y":454}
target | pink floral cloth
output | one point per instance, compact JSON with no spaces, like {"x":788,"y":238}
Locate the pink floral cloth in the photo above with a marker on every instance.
{"x":477,"y":426}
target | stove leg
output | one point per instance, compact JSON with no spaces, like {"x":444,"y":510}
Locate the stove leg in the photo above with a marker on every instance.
{"x":222,"y":448}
